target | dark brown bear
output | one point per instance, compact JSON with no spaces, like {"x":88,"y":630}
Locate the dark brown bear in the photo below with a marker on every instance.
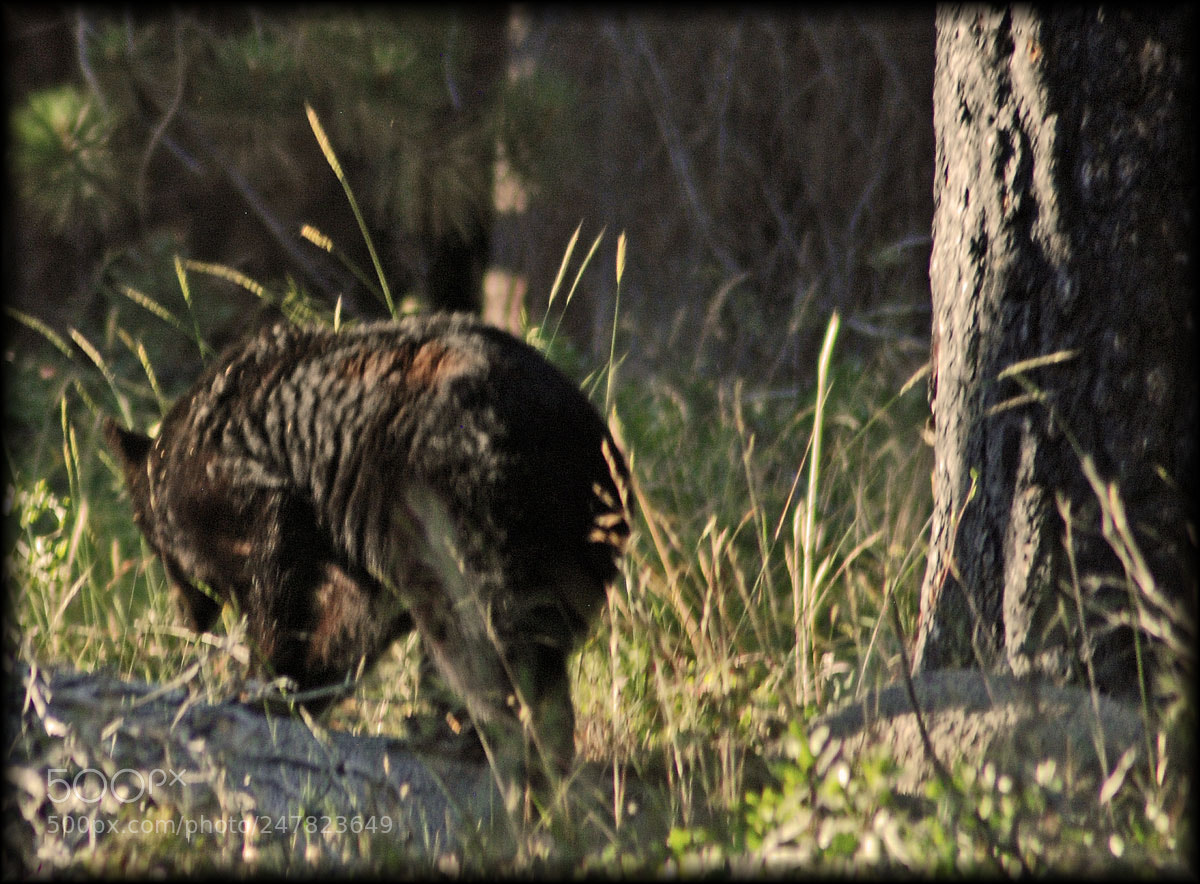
{"x":344,"y":486}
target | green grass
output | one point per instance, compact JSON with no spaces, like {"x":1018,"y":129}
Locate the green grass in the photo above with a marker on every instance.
{"x":695,"y":686}
{"x":780,"y":541}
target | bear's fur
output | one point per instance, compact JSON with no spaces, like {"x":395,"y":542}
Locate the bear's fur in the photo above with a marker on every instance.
{"x":345,"y":486}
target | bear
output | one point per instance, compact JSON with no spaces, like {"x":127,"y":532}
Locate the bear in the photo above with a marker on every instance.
{"x":343,"y":487}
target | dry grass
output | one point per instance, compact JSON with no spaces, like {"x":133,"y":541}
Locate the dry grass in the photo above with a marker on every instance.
{"x":754,"y":506}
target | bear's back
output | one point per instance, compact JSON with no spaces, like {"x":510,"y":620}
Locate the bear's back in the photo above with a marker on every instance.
{"x":351,"y":421}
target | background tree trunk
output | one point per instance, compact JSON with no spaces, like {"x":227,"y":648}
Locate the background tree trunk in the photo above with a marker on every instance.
{"x":457,"y":250}
{"x":1062,"y":332}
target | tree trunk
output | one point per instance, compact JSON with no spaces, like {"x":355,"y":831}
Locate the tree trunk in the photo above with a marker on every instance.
{"x":1062,"y":336}
{"x":457,"y":249}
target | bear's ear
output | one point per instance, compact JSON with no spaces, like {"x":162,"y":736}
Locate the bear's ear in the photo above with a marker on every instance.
{"x":132,"y":448}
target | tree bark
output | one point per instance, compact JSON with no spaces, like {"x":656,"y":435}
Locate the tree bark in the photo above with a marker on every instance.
{"x":1063,"y":335}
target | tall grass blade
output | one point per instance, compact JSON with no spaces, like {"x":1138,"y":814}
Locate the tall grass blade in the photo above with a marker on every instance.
{"x":70,"y":463}
{"x":229,"y":274}
{"x":185,"y":287}
{"x":620,"y":257}
{"x":93,"y":354}
{"x":587,"y":259}
{"x":321,"y":241}
{"x":562,"y":268}
{"x":578,"y":275}
{"x":152,"y":306}
{"x":806,"y":604}
{"x":139,"y":350}
{"x":331,"y":158}
{"x":612,"y":344}
{"x":42,"y":329}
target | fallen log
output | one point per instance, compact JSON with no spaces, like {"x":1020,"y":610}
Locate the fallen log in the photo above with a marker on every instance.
{"x":91,"y":754}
